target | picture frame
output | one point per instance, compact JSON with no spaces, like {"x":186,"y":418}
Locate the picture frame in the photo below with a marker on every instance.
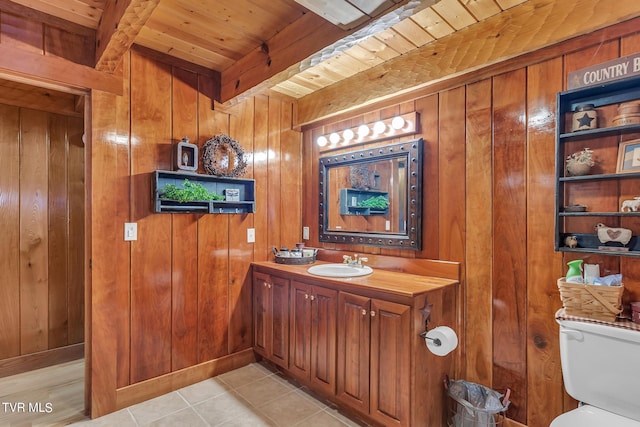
{"x":628,"y":157}
{"x":186,"y":155}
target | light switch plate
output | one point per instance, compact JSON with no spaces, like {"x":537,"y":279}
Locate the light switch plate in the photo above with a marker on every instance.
{"x":305,"y":233}
{"x":130,"y":231}
{"x":251,"y":235}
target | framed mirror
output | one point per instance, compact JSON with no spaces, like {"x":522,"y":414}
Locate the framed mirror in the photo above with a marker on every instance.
{"x":373,"y":196}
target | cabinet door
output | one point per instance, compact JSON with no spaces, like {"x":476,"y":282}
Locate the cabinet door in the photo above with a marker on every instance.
{"x":279,"y":289}
{"x":353,"y":350}
{"x":261,"y":314}
{"x":300,"y":331}
{"x":390,"y":362}
{"x":324,"y":303}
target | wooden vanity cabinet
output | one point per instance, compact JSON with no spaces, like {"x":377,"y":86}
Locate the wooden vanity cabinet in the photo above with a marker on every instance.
{"x":312,"y":341}
{"x":356,"y":342}
{"x":374,"y":357}
{"x":271,"y":317}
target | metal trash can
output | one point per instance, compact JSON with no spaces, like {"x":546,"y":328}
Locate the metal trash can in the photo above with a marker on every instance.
{"x":474,"y":405}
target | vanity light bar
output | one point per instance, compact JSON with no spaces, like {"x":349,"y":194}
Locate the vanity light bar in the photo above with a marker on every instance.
{"x":394,"y":127}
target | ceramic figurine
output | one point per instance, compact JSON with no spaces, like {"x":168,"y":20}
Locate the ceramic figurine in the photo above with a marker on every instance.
{"x":610,"y":234}
{"x":571,"y":241}
{"x":630,"y":205}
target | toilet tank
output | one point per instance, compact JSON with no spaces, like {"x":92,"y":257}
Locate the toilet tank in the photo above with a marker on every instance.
{"x":601,"y":366}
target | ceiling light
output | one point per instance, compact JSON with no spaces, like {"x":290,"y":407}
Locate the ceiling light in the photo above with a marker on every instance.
{"x":348,"y":14}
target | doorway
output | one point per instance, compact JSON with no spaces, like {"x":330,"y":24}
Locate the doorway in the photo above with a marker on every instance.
{"x":42,"y":212}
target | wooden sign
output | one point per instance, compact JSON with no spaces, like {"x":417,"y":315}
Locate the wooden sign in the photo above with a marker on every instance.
{"x":616,"y":69}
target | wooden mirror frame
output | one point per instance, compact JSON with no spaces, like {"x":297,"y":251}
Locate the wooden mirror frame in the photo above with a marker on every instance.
{"x":412,"y":237}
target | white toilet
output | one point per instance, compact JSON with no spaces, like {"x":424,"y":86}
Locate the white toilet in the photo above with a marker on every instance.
{"x":601,"y":369}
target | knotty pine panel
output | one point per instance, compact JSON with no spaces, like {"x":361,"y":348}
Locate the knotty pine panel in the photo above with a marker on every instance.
{"x":544,"y":373}
{"x":10,"y":220}
{"x":241,"y":127}
{"x":151,"y":253}
{"x":34,"y":240}
{"x":110,"y":268}
{"x":509,"y":231}
{"x":262,"y":246}
{"x":184,"y":232}
{"x":58,"y":232}
{"x":451,"y":152}
{"x":274,"y":178}
{"x":479,"y":255}
{"x":76,"y":245}
{"x":429,"y":116}
{"x":213,"y":286}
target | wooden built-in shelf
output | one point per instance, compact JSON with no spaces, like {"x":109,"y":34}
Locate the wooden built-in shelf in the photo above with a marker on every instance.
{"x":220,"y":185}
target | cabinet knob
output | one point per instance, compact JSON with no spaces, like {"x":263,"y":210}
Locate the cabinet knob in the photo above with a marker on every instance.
{"x":312,"y":297}
{"x":364,"y":312}
{"x":306,"y":296}
{"x":269,"y":285}
{"x":373,"y":313}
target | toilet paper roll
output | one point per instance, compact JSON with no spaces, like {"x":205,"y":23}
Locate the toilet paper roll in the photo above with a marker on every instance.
{"x":441,"y":340}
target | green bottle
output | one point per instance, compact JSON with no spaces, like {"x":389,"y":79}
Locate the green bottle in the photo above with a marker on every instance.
{"x":574,"y":274}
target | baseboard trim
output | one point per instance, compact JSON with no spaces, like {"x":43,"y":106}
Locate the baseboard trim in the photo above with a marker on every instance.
{"x":42,"y":359}
{"x":154,"y":387}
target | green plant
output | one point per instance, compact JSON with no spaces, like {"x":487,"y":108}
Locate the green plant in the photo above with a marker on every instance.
{"x":378,"y":202}
{"x":190,"y":192}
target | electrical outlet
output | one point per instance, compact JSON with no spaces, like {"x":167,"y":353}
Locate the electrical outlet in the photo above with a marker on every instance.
{"x":130,"y":231}
{"x":305,"y":233}
{"x":251,"y":235}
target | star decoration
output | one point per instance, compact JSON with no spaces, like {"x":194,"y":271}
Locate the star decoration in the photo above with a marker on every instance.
{"x":585,"y":120}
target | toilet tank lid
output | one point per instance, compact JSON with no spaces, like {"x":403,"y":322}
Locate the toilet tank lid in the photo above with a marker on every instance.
{"x":605,"y":329}
{"x":590,"y":416}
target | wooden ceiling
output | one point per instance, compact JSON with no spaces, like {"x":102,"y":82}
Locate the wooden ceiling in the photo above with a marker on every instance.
{"x":277,"y":44}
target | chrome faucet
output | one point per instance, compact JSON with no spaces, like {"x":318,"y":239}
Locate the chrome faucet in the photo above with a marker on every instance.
{"x":356,"y":261}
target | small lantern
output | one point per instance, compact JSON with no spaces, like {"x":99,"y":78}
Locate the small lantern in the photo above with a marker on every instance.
{"x":187,"y":155}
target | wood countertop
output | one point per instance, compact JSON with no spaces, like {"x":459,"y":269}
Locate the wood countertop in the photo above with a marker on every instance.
{"x":391,"y":282}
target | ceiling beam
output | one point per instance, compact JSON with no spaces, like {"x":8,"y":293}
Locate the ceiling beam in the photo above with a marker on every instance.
{"x":302,"y":38}
{"x":525,"y":28}
{"x":54,"y":72}
{"x":307,"y":41}
{"x":120,"y":24}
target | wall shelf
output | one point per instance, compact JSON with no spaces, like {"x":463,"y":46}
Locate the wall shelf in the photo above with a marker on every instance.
{"x":245,"y":202}
{"x":596,"y":188}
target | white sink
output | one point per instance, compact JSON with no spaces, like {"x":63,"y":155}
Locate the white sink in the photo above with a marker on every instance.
{"x":339,"y":270}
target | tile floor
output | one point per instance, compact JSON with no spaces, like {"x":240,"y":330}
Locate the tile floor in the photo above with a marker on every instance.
{"x":250,"y":396}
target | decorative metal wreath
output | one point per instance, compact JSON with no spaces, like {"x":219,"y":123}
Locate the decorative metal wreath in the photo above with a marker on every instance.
{"x":216,"y":155}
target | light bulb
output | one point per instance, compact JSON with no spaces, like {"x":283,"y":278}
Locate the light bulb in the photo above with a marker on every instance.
{"x":347,"y":135}
{"x":322,"y":141}
{"x":379,"y":127}
{"x":363,"y":131}
{"x":334,"y":138}
{"x":397,"y":123}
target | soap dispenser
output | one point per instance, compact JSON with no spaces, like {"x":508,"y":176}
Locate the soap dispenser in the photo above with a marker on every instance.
{"x":574,"y":274}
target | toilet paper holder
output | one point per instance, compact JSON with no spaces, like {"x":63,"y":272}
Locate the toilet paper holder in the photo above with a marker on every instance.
{"x":426,"y":316}
{"x":436,"y":341}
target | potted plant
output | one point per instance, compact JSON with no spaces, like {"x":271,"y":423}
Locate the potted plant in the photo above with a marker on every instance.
{"x":580,"y":163}
{"x":190,"y":192}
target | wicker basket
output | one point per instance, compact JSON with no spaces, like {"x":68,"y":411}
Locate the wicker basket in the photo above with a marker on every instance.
{"x":592,"y":301}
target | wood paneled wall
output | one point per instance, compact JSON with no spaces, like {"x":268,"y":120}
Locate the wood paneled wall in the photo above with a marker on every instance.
{"x":489,"y":204}
{"x":179,"y":296}
{"x":42,"y":220}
